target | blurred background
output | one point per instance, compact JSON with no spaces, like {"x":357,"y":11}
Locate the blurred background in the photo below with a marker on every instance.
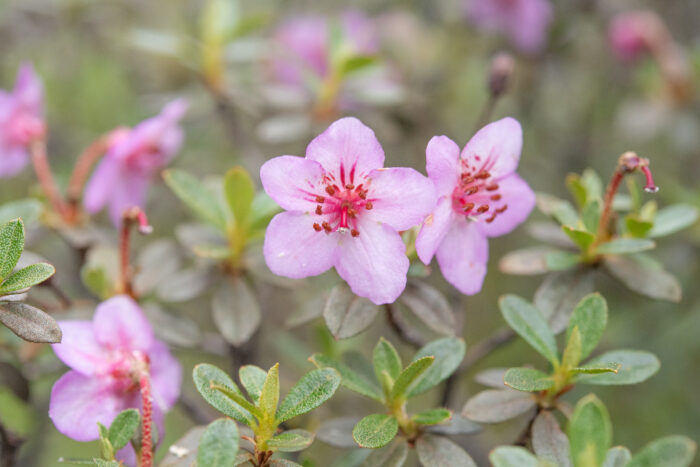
{"x":581,"y":102}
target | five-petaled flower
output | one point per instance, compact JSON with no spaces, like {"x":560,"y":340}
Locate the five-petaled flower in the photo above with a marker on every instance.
{"x":21,"y":121}
{"x":480,"y":196}
{"x":133,"y":157}
{"x":107,"y":357}
{"x":344,"y":211}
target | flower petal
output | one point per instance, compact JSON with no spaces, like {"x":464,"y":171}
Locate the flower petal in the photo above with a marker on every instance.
{"x":78,"y":402}
{"x":442,"y":164}
{"x":293,"y":182}
{"x":166,"y":376}
{"x":119,"y":323}
{"x":79,"y":349}
{"x":101,"y":185}
{"x":496,"y":147}
{"x":528,"y":25}
{"x":401,"y":197}
{"x":519,"y":197}
{"x":434,"y":229}
{"x":374,"y":264}
{"x":347,"y":149}
{"x":13,"y":159}
{"x":463,"y":255}
{"x":129,"y":191}
{"x":294,"y":249}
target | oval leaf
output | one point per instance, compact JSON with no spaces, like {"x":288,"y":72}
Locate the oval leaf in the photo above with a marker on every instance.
{"x":528,"y":322}
{"x":393,"y":455}
{"x":527,"y":379}
{"x":30,"y":323}
{"x":375,"y":431}
{"x":432,"y":417}
{"x":27,"y":277}
{"x":590,"y":432}
{"x":218,"y":445}
{"x":291,"y":441}
{"x":645,"y":276}
{"x":559,"y":294}
{"x":347,"y":314}
{"x":511,"y":456}
{"x":386,"y":358}
{"x":624,"y":246}
{"x":617,"y":456}
{"x":448,"y":353}
{"x":240,"y":191}
{"x":635,"y":366}
{"x":349,"y":377}
{"x":204,"y":375}
{"x":312,"y":390}
{"x":252,"y":378}
{"x":497,"y":405}
{"x":196,"y":196}
{"x":528,"y":261}
{"x":123,"y":428}
{"x":670,"y":451}
{"x":430,"y":306}
{"x":591,"y":318}
{"x":409,"y":375}
{"x":11,"y":246}
{"x":672,"y":219}
{"x":437,"y":451}
{"x":548,"y":441}
{"x":235,"y":311}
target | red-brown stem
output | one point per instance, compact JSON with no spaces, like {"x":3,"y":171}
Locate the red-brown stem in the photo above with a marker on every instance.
{"x":147,"y":419}
{"x":607,"y":204}
{"x":37,"y":149}
{"x":81,"y":171}
{"x":134,"y":215}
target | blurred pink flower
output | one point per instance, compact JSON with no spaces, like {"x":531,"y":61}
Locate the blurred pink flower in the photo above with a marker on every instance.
{"x":525,"y":22}
{"x":480,"y":196}
{"x":106,"y":357}
{"x":344,"y":211}
{"x":134,"y":155}
{"x":21,"y":120}
{"x":628,"y":34}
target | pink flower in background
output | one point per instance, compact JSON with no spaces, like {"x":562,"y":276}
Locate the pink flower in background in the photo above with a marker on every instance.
{"x":628,"y":34}
{"x":344,"y":211}
{"x":133,"y":157}
{"x":525,"y":22}
{"x":106,"y":357}
{"x":480,"y":196}
{"x":21,"y":120}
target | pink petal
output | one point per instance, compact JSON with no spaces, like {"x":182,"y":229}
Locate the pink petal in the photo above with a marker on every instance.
{"x":528,"y":25}
{"x":374,"y":264}
{"x":434,"y":229}
{"x":166,"y":376}
{"x":303,"y":49}
{"x":78,"y":402}
{"x":101,"y":185}
{"x":463,"y":255}
{"x":129,"y":191}
{"x":519,"y":197}
{"x":496,"y":147}
{"x":347,"y":149}
{"x":29,"y":90}
{"x":79,"y":349}
{"x":293,"y":182}
{"x":401,"y":197}
{"x":13,"y":159}
{"x":442,"y":164}
{"x":294,"y":249}
{"x":119,"y":323}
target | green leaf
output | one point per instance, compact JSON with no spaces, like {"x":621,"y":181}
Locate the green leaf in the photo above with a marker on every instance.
{"x":580,"y":237}
{"x":356,"y":63}
{"x":527,"y":379}
{"x":448,"y":353}
{"x":30,"y":323}
{"x":672,"y":219}
{"x":617,"y":456}
{"x":375,"y":431}
{"x":28,"y":209}
{"x":528,"y":322}
{"x":252,"y":378}
{"x":559,"y":294}
{"x":204,"y":375}
{"x":595,"y":370}
{"x":217,"y":20}
{"x":240,"y":192}
{"x":17,"y":416}
{"x":636,"y":366}
{"x":196,"y":196}
{"x":565,"y":214}
{"x":572,"y":352}
{"x":497,"y":405}
{"x":456,"y":425}
{"x":123,"y":428}
{"x":237,"y":397}
{"x":235,"y":310}
{"x":103,"y":463}
{"x":549,"y":441}
{"x":591,"y":216}
{"x":438,"y":451}
{"x":270,"y":393}
{"x":264,"y":209}
{"x":386,"y":358}
{"x":218,"y":446}
{"x":636,"y":226}
{"x":349,"y":378}
{"x":27,"y":277}
{"x":291,"y":441}
{"x":590,"y":432}
{"x":512,"y":456}
{"x":591,"y":318}
{"x":593,"y":184}
{"x":393,"y":455}
{"x":432,"y":417}
{"x":346,"y":314}
{"x":624,"y":246}
{"x":409,"y":375}
{"x":645,"y":276}
{"x":561,"y":260}
{"x":669,"y":451}
{"x":11,"y":246}
{"x":577,"y":189}
{"x":430,"y":306}
{"x":97,"y":281}
{"x":312,"y":390}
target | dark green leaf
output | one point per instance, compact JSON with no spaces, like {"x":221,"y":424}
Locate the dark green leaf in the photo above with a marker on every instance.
{"x":590,"y":432}
{"x":375,"y":431}
{"x":312,"y":390}
{"x":218,"y":446}
{"x":252,"y":378}
{"x":240,"y":191}
{"x":291,"y":441}
{"x":349,"y":378}
{"x":409,"y":375}
{"x":30,"y":323}
{"x":438,"y":451}
{"x":27,"y":277}
{"x":386,"y":358}
{"x":624,"y":246}
{"x":591,"y":318}
{"x":645,"y":276}
{"x":432,"y":417}
{"x":204,"y":375}
{"x":548,"y":441}
{"x":528,"y":322}
{"x":669,"y":451}
{"x":235,"y":310}
{"x":497,"y":405}
{"x":347,"y":314}
{"x":123,"y":428}
{"x":636,"y":366}
{"x":11,"y":246}
{"x":196,"y":196}
{"x":672,"y":219}
{"x":448,"y":353}
{"x":527,"y":379}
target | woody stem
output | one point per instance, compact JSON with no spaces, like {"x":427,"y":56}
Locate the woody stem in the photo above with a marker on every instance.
{"x":86,"y":160}
{"x":37,"y":149}
{"x":131,"y":216}
{"x":607,"y":204}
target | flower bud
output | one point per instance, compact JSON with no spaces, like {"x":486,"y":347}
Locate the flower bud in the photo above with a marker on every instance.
{"x":500,"y":72}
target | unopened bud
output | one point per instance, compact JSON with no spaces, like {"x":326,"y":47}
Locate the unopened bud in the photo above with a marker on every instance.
{"x":630,"y":161}
{"x":500,"y":72}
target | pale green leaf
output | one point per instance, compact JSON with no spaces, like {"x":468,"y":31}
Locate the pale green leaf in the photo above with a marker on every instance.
{"x":196,"y":196}
{"x":669,"y":451}
{"x":312,"y":390}
{"x":218,"y":445}
{"x":528,"y":322}
{"x":375,"y":431}
{"x":11,"y":246}
{"x":448,"y":353}
{"x":291,"y":441}
{"x":349,"y":377}
{"x":527,"y":379}
{"x":240,"y":191}
{"x":590,"y":432}
{"x":624,"y":246}
{"x":27,"y":277}
{"x":432,"y":417}
{"x":409,"y":375}
{"x":672,"y":219}
{"x":252,"y":378}
{"x":635,"y":366}
{"x":270,"y":393}
{"x":386,"y":358}
{"x":590,"y":317}
{"x":204,"y":375}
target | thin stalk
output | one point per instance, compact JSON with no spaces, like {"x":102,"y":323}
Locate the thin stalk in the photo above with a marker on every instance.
{"x":146,"y":459}
{"x":131,"y":216}
{"x":81,"y":171}
{"x":37,"y":150}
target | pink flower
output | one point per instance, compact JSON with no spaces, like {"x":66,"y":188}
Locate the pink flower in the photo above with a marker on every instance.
{"x":525,"y":22}
{"x":628,"y":34}
{"x":480,"y":196}
{"x":344,"y":211}
{"x":107,"y":356}
{"x":21,"y":121}
{"x":134,"y":156}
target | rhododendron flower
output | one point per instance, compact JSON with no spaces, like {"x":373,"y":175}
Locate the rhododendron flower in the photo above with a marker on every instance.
{"x":21,"y":121}
{"x":344,"y":211}
{"x":525,"y":22}
{"x":480,"y":196}
{"x":133,"y":157}
{"x":629,"y":34}
{"x":107,"y":356}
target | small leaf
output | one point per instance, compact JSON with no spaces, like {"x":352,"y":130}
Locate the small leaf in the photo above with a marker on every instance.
{"x":264,"y":209}
{"x":27,"y":277}
{"x":30,"y":323}
{"x":183,"y":285}
{"x":559,"y":294}
{"x":669,"y":451}
{"x":637,"y":227}
{"x":312,"y":390}
{"x":430,"y":306}
{"x":672,"y":219}
{"x":103,"y":463}
{"x":527,"y":379}
{"x":11,"y":246}
{"x":497,"y":405}
{"x":590,"y":432}
{"x":386,"y":358}
{"x":548,"y":441}
{"x":636,"y":366}
{"x":393,"y":455}
{"x":595,"y":370}
{"x":572,"y":353}
{"x":561,"y":260}
{"x":291,"y":441}
{"x":526,"y":261}
{"x":240,"y":191}
{"x":565,"y":213}
{"x":218,"y":446}
{"x":270,"y":393}
{"x":252,"y":378}
{"x":236,"y":396}
{"x":493,"y":377}
{"x":577,"y":189}
{"x":349,"y":378}
{"x":123,"y":428}
{"x":593,"y":184}
{"x":438,"y":451}
{"x":591,"y":216}
{"x":356,"y":63}
{"x":204,"y":375}
{"x":235,"y":310}
{"x":432,"y":417}
{"x":645,"y":276}
{"x":347,"y":314}
{"x":528,"y":322}
{"x":512,"y":456}
{"x":196,"y":196}
{"x":448,"y":353}
{"x":375,"y":431}
{"x":590,"y":317}
{"x":581,"y":238}
{"x":409,"y":375}
{"x":624,"y":246}
{"x":617,"y":456}
{"x":338,"y":432}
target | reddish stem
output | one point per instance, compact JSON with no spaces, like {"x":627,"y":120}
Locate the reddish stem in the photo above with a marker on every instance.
{"x":134,"y":215}
{"x":81,"y":171}
{"x":607,"y":204}
{"x":147,"y":418}
{"x":37,"y":149}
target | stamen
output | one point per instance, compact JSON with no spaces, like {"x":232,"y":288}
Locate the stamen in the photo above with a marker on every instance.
{"x":352,"y":213}
{"x":471,"y":190}
{"x":491,"y":219}
{"x":354,"y":233}
{"x":349,"y":186}
{"x":369,"y":205}
{"x":326,"y":226}
{"x":330,"y":190}
{"x":362,"y":194}
{"x":468,"y":206}
{"x":483,"y":208}
{"x":317,"y":228}
{"x":482,"y":175}
{"x":319,"y":210}
{"x":496,"y":197}
{"x":502,"y":209}
{"x":492,"y":187}
{"x":320,"y":199}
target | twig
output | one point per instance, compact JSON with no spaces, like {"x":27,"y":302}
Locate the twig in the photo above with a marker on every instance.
{"x":37,"y":149}
{"x":81,"y":171}
{"x":526,"y":434}
{"x":65,"y":301}
{"x":131,"y":216}
{"x":400,"y":329}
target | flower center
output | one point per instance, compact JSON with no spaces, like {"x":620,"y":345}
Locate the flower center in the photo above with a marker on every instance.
{"x":477,"y":195}
{"x":125,"y":369}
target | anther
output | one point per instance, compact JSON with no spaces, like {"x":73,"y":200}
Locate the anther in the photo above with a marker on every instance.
{"x":471,"y":190}
{"x":349,"y":186}
{"x":482,"y":175}
{"x":496,"y":197}
{"x":468,"y":206}
{"x":482,"y":208}
{"x":317,"y":228}
{"x":354,"y":233}
{"x":362,"y":194}
{"x":369,"y":205}
{"x":502,"y":209}
{"x":330,"y":190}
{"x":326,"y":226}
{"x":467,"y":179}
{"x":320,"y":199}
{"x":491,"y":219}
{"x":492,"y":187}
{"x":352,"y":213}
{"x":319,"y":210}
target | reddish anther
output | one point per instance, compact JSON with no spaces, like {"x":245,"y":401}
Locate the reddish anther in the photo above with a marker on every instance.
{"x":320,"y":199}
{"x":330,"y":190}
{"x":354,"y":233}
{"x":317,"y":227}
{"x":369,"y":205}
{"x":319,"y":210}
{"x":483,"y":208}
{"x":496,"y":197}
